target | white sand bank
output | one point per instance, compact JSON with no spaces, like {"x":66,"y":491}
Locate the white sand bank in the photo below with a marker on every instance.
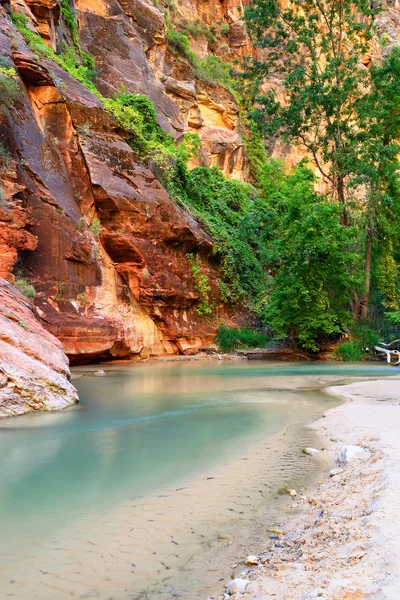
{"x":343,"y":541}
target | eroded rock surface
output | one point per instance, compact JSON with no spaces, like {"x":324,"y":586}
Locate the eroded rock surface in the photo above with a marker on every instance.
{"x":34,"y":371}
{"x":125,"y":287}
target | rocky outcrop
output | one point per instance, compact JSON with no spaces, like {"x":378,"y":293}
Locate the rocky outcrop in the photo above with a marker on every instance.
{"x":34,"y":371}
{"x":94,"y":231}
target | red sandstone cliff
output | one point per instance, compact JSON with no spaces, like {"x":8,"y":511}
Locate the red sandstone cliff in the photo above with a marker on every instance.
{"x":127,"y":291}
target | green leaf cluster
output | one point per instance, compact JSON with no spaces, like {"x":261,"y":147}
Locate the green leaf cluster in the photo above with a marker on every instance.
{"x":201,"y":282}
{"x":136,"y":114}
{"x":230,"y":339}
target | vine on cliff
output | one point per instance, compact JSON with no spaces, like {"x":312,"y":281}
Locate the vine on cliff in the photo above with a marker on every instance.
{"x":201,"y":283}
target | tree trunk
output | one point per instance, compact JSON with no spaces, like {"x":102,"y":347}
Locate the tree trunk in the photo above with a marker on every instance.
{"x":355,"y":306}
{"x":367,"y":270}
{"x":344,"y":219}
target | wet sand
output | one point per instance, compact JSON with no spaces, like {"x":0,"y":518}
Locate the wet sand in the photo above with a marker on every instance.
{"x":344,"y":543}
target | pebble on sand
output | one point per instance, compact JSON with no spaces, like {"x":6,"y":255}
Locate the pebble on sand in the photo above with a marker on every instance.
{"x":252,"y":560}
{"x":237,"y":586}
{"x":311,"y":451}
{"x":334,"y":472}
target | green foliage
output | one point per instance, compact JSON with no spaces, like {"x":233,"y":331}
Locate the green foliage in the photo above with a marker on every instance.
{"x":387,"y":277}
{"x":321,"y":77}
{"x":82,"y":68}
{"x":224,"y":28}
{"x":201,"y":283}
{"x":255,"y":152}
{"x":33,"y":39}
{"x":393,"y":317}
{"x":310,"y":255}
{"x":95,"y":227}
{"x":136,"y":114}
{"x":363,"y":344}
{"x":60,"y":292}
{"x":351,"y":351}
{"x":9,"y":89}
{"x":230,"y":338}
{"x":69,"y":17}
{"x":83,"y":299}
{"x":346,"y":117}
{"x":25,"y":287}
{"x":237,"y":222}
{"x":210,"y":69}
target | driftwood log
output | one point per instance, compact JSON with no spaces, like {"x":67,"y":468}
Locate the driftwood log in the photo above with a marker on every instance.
{"x":391,"y":352}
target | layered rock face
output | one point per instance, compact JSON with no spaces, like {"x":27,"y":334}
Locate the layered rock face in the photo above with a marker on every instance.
{"x":34,"y":372}
{"x":123,"y":288}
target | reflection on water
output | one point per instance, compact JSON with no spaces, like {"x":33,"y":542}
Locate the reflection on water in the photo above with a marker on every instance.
{"x":140,"y":429}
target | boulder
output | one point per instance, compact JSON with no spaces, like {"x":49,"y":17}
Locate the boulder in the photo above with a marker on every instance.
{"x":35,"y":370}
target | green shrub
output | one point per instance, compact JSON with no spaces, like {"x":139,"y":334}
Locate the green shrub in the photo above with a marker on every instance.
{"x":136,"y":114}
{"x":9,"y":88}
{"x":214,"y":70}
{"x":178,"y":41}
{"x":363,"y":343}
{"x":95,"y":227}
{"x":351,"y":351}
{"x":224,"y":28}
{"x":81,"y":67}
{"x":230,"y":338}
{"x":201,"y":284}
{"x":238,"y":224}
{"x":33,"y":39}
{"x":25,"y":287}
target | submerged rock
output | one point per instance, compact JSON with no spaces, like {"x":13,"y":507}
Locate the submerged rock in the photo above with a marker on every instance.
{"x":33,"y":363}
{"x":251,"y":560}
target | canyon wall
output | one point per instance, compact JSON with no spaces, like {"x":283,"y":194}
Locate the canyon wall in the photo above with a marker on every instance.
{"x":124,"y":288}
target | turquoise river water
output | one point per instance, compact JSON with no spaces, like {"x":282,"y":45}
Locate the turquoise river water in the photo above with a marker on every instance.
{"x":127,"y":494}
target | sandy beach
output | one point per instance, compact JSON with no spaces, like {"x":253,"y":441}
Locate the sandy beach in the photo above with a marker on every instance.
{"x":342,"y":540}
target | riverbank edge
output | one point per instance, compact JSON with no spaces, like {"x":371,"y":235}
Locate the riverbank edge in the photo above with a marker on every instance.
{"x":341,"y":542}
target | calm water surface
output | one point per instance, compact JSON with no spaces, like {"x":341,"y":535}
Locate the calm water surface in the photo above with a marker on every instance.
{"x":139,"y":430}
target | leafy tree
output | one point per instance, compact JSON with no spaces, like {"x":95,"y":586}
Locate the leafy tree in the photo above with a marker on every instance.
{"x":315,"y":47}
{"x":307,"y":299}
{"x":346,"y":116}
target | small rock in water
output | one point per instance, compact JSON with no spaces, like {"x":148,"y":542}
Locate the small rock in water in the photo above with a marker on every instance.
{"x":99,"y":373}
{"x":334,"y":472}
{"x":293,"y":493}
{"x":311,"y":451}
{"x":237,"y":586}
{"x":251,"y":560}
{"x":348,"y":453}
